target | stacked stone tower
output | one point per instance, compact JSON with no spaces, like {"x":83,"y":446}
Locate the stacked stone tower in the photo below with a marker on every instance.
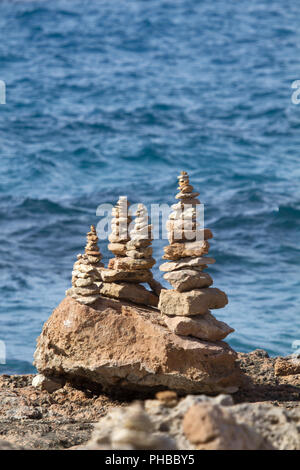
{"x":120,"y":228}
{"x":187,"y":306}
{"x":132,"y":265}
{"x":86,"y":273}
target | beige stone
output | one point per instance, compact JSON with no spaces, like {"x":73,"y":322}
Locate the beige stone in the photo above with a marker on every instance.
{"x":180,"y":224}
{"x":175,"y":236}
{"x":188,"y":279}
{"x":84,"y":291}
{"x":205,"y":327}
{"x":212,"y":427}
{"x":117,"y":248}
{"x":125,"y":347}
{"x":83,"y":282}
{"x":194,"y":302}
{"x":138,"y":243}
{"x":287,"y":365}
{"x":186,"y":263}
{"x":131,"y":264}
{"x":112,"y":275}
{"x":187,"y":195}
{"x":129,"y":291}
{"x":140,"y":253}
{"x":185,"y":250}
{"x":114,"y":238}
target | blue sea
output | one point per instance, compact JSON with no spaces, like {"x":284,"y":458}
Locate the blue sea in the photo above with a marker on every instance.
{"x":111,"y":98}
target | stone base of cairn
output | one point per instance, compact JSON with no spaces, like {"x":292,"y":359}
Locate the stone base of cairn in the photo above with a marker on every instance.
{"x":132,"y":265}
{"x":86,"y":274}
{"x":187,"y":307}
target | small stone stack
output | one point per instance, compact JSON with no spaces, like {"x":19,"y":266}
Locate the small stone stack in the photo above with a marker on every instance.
{"x":120,"y":228}
{"x":86,"y":274}
{"x":187,"y":306}
{"x":125,"y":272}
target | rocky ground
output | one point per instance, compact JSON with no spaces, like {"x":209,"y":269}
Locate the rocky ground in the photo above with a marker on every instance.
{"x":34,"y":419}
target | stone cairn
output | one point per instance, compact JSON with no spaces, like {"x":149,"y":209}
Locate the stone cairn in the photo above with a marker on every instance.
{"x":85,"y":274}
{"x":187,"y":306}
{"x":133,"y":260}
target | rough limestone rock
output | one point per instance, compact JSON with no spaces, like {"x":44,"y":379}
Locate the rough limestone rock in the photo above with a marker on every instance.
{"x":129,"y":291}
{"x":212,"y":427}
{"x":185,"y":250}
{"x":50,"y":384}
{"x":205,"y":327}
{"x":199,"y":262}
{"x":194,"y":302}
{"x":289,"y":365}
{"x":121,"y":346}
{"x":188,"y":279}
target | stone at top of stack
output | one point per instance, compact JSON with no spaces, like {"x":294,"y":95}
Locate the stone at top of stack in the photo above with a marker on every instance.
{"x":85,"y":274}
{"x":120,"y":227}
{"x":125,"y":272}
{"x":187,"y":306}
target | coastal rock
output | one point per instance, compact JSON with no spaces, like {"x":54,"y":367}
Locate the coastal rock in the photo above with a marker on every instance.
{"x":188,"y":249}
{"x":131,"y":264}
{"x":129,"y":291}
{"x":205,"y":327}
{"x":123,"y":347}
{"x":194,"y":302}
{"x":117,"y":248}
{"x":188,"y":279}
{"x":112,"y":275}
{"x":212,"y":427}
{"x":287,"y":365}
{"x":177,"y":235}
{"x":46,"y":383}
{"x":198,"y":262}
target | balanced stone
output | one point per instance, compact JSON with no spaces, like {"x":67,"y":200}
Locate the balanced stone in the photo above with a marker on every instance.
{"x":205,"y":327}
{"x":129,"y":291}
{"x":139,"y":276}
{"x":186,"y":263}
{"x":131,"y":264}
{"x":185,"y":250}
{"x":188,"y":279}
{"x":194,"y":302}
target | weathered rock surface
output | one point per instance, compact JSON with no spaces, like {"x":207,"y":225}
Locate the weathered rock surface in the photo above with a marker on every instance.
{"x":289,"y":365}
{"x":112,"y":275}
{"x":121,"y":346}
{"x":212,"y":427}
{"x":188,"y":279}
{"x":205,"y":327}
{"x":194,"y":302}
{"x":186,"y":263}
{"x":185,"y":250}
{"x":129,"y":291}
{"x":46,"y":383}
{"x":131,"y":264}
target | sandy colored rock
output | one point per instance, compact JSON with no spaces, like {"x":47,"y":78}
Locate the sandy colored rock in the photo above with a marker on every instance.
{"x":112,"y":275}
{"x":194,"y":302}
{"x":205,"y":327}
{"x":140,"y":253}
{"x":212,"y":427}
{"x":188,"y":249}
{"x":120,"y":346}
{"x":131,"y":264}
{"x":186,"y":263}
{"x":117,"y":248}
{"x":177,"y":235}
{"x":287,"y":365}
{"x":50,"y":384}
{"x":188,"y":279}
{"x":129,"y":291}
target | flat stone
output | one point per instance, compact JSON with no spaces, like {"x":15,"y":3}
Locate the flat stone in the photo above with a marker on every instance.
{"x":83,"y":291}
{"x":188,"y":279}
{"x":185,"y":250}
{"x":140,"y":253}
{"x":130,"y":264}
{"x":119,"y":346}
{"x":129,"y":291}
{"x":84,"y":268}
{"x":114,"y":238}
{"x":112,"y":275}
{"x":178,"y":235}
{"x":138,"y":243}
{"x":187,"y":195}
{"x":180,"y":224}
{"x":205,"y":327}
{"x":79,"y":274}
{"x":83,"y":282}
{"x":117,"y":248}
{"x":186,"y":263}
{"x":194,"y":302}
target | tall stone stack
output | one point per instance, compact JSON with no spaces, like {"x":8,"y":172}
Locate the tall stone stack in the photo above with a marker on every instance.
{"x":131,"y":266}
{"x":120,"y":228}
{"x":86,"y":273}
{"x":187,"y":306}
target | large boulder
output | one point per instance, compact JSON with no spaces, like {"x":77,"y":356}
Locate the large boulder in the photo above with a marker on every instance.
{"x":117,"y":345}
